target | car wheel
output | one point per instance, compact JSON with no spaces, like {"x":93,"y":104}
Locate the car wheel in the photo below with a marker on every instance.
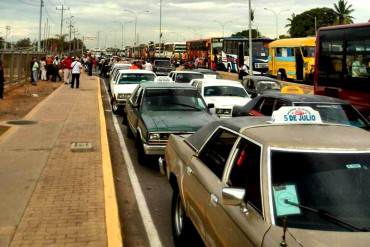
{"x":115,"y":107}
{"x":130,"y":135}
{"x":141,"y":156}
{"x":180,"y":222}
{"x":124,"y":119}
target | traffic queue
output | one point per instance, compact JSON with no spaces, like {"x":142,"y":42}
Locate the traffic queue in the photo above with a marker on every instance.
{"x":250,"y":165}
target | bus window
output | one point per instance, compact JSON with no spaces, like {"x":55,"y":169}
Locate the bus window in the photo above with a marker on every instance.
{"x":308,"y":51}
{"x":358,"y":58}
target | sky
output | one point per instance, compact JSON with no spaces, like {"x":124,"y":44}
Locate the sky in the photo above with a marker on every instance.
{"x":181,"y":19}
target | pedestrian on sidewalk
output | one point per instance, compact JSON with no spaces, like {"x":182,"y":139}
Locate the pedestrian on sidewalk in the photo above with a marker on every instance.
{"x":56,"y":67}
{"x":76,"y":71}
{"x":49,"y":67}
{"x":148,"y":66}
{"x":89,"y":63}
{"x":2,"y":80}
{"x":35,"y":71}
{"x":66,"y":66}
{"x":43,"y":69}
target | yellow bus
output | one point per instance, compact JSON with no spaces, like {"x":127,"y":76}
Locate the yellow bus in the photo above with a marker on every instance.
{"x":292,"y":58}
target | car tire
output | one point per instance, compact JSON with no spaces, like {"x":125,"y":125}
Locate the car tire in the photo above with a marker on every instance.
{"x":124,"y":119}
{"x":141,"y":156}
{"x":181,"y":224}
{"x":115,"y":107}
{"x":130,"y":135}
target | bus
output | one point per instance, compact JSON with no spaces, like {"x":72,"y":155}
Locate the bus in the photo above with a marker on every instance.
{"x":174,"y":50}
{"x":343,"y":64}
{"x":235,"y":53}
{"x":292,"y":59}
{"x":207,"y":50}
{"x":159,"y":50}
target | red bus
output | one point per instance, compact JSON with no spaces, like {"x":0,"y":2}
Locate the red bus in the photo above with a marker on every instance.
{"x":207,"y":50}
{"x":342,"y":66}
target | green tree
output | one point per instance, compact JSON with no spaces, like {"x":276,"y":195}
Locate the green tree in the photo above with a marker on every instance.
{"x":245,"y":34}
{"x":23,"y":43}
{"x":303,"y":25}
{"x":343,"y":11}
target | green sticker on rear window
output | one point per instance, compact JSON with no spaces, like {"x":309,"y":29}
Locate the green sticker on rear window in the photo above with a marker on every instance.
{"x":283,"y":193}
{"x":354,"y":166}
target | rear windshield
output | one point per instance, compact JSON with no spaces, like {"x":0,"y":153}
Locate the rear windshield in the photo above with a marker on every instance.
{"x":136,"y":78}
{"x":333,"y":183}
{"x":212,"y":91}
{"x":187,"y":77}
{"x":162,"y":63}
{"x":337,"y":113}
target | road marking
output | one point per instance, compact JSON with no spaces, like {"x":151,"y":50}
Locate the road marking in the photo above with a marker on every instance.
{"x":150,"y":228}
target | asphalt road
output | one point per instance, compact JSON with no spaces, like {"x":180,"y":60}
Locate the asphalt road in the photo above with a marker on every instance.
{"x":155,"y":188}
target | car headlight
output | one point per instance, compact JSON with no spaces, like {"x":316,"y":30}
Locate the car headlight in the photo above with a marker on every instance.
{"x":154,"y":137}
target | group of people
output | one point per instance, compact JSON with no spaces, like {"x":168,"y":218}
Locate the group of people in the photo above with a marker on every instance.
{"x":51,"y":68}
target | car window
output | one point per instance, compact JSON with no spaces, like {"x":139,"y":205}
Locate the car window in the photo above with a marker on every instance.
{"x":279,"y":103}
{"x":136,"y":78}
{"x":135,"y":95}
{"x":187,"y":77}
{"x":245,"y":172}
{"x":199,"y":87}
{"x":216,"y":152}
{"x":267,"y":106}
{"x":116,"y":75}
{"x":139,"y":97}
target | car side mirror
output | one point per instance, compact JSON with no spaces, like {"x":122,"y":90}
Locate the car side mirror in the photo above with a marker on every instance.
{"x":210,"y":106}
{"x":232,"y":196}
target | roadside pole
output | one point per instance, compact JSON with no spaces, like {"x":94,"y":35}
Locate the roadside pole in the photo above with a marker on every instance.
{"x":250,"y":40}
{"x":39,"y":39}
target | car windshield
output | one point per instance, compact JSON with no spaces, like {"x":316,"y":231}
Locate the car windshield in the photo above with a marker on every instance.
{"x":335,"y":184}
{"x":136,"y":78}
{"x":212,"y":91}
{"x":187,"y":77}
{"x":337,"y":113}
{"x":162,"y":63}
{"x":173,"y":100}
{"x":267,"y":85}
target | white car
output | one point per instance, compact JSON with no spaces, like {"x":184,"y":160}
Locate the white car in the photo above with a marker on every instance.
{"x":223,"y":94}
{"x":163,"y":79}
{"x":113,"y":74}
{"x":125,"y":83}
{"x":185,"y":76}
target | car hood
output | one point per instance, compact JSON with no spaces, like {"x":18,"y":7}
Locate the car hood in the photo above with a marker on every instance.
{"x":227,"y":102}
{"x":179,"y":121}
{"x":329,"y":238}
{"x":124,"y":88}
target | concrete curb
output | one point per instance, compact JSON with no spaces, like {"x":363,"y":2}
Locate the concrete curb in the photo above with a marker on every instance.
{"x":112,"y":220}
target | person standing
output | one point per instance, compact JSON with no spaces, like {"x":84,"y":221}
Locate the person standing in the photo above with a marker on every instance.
{"x":49,"y":67}
{"x":66,"y":66}
{"x":2,"y":80}
{"x":76,"y":71}
{"x":35,"y":71}
{"x":89,"y":64}
{"x":43,"y":69}
{"x":56,"y":67}
{"x":148,"y":66}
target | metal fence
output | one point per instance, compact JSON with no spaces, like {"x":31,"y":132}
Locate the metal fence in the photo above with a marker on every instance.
{"x":17,"y":65}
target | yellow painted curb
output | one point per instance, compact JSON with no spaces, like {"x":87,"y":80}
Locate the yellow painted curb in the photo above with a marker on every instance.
{"x":111,"y":207}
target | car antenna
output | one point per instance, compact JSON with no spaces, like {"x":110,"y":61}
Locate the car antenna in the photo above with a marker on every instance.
{"x":285,"y":227}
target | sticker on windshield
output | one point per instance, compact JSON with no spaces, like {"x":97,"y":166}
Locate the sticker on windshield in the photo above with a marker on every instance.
{"x":296,"y":115}
{"x":282,"y":194}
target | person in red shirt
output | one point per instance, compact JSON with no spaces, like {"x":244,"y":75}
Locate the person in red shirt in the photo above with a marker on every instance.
{"x":134,"y":66}
{"x":66,"y":66}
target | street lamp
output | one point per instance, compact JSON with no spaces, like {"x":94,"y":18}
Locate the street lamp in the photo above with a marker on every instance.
{"x":222,"y":24}
{"x":276,"y":18}
{"x":135,"y":15}
{"x":314,"y":17}
{"x":123,"y":26}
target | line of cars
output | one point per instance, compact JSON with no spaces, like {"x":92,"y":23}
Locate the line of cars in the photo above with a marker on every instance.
{"x":253,"y":180}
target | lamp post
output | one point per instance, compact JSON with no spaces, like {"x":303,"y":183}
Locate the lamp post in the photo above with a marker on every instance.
{"x":250,"y":40}
{"x":123,"y":27}
{"x":314,"y":17}
{"x":222,"y":24}
{"x":276,"y":19}
{"x":135,"y":15}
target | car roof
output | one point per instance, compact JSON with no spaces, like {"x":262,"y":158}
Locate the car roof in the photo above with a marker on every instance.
{"x":289,"y":136}
{"x":135,"y":71}
{"x":186,"y":72}
{"x":309,"y":98}
{"x":208,"y":71}
{"x":257,"y":78}
{"x":150,"y":85}
{"x":220,"y":82}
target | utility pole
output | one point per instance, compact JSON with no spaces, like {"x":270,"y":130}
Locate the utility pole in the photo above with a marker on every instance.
{"x":40,"y":20}
{"x":61,"y":24}
{"x":160,"y":27}
{"x":70,"y":34}
{"x":250,"y":40}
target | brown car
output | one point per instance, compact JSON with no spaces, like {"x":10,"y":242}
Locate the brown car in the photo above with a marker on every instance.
{"x":249,"y":182}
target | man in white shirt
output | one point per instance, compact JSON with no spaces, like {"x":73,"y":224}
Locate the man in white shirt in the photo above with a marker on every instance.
{"x":76,"y":67}
{"x":148,"y":66}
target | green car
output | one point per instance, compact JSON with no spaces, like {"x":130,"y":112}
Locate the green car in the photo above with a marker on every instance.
{"x":157,"y":110}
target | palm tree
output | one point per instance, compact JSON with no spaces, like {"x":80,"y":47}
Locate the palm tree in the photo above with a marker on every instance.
{"x":290,"y":20}
{"x":343,"y":11}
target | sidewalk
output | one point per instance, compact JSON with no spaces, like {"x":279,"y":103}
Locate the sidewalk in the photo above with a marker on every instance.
{"x":51,"y":195}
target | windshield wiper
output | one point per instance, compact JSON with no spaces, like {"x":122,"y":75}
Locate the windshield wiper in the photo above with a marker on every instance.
{"x":326,"y":215}
{"x":190,"y":106}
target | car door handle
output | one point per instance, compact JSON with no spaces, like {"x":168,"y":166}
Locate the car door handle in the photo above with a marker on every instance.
{"x":214,"y":199}
{"x":189,"y":171}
